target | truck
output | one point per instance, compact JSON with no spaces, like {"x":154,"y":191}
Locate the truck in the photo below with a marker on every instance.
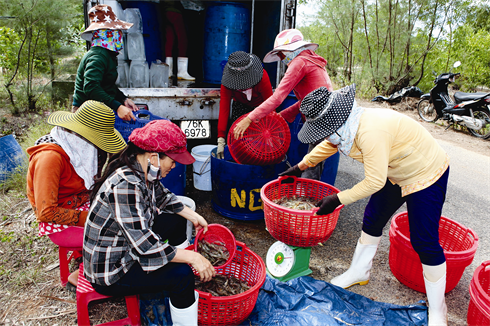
{"x":249,"y":25}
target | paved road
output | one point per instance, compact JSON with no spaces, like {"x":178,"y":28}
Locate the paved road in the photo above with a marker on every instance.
{"x":467,"y":201}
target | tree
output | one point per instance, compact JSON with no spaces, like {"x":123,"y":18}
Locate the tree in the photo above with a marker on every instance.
{"x":41,"y":26}
{"x":385,"y":45}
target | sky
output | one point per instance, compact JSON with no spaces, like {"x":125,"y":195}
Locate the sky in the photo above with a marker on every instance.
{"x":304,"y":13}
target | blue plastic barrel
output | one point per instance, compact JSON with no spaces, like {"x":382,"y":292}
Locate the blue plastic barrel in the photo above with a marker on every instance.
{"x":11,"y":156}
{"x":151,"y":28}
{"x":175,"y":179}
{"x":297,"y":150}
{"x":226,"y":30}
{"x":236,"y":187}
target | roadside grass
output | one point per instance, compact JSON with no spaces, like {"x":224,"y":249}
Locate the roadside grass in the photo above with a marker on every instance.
{"x":29,"y":271}
{"x":23,"y":254}
{"x":17,"y":180}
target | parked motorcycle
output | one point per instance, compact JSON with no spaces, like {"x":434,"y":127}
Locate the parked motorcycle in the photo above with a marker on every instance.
{"x":467,"y":109}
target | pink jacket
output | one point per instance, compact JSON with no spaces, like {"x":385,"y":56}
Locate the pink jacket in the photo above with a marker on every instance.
{"x":305,"y":73}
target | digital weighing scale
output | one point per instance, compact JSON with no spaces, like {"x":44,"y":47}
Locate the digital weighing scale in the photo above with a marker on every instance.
{"x":285,"y":262}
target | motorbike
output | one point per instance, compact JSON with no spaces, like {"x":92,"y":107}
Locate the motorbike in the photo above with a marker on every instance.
{"x":470,"y":110}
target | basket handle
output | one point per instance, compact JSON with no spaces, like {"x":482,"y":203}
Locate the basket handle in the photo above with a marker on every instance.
{"x":143,"y":111}
{"x":151,"y":115}
{"x":473,"y":234}
{"x":287,"y":179}
{"x":241,"y":244}
{"x":338,"y":208}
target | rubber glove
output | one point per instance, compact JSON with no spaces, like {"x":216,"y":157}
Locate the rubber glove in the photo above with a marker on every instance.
{"x":328,"y":204}
{"x":294,"y":171}
{"x":221,"y":148}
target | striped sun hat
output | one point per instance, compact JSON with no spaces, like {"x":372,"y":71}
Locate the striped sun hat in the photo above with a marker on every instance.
{"x":95,"y":122}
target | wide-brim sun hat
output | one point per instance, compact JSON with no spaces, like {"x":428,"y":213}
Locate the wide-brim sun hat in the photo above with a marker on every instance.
{"x":242,"y":71}
{"x":102,"y":17}
{"x":94,"y":121}
{"x":163,"y":136}
{"x":325,"y":112}
{"x":288,"y":40}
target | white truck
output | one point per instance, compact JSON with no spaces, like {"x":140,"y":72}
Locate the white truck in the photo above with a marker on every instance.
{"x":195,"y":106}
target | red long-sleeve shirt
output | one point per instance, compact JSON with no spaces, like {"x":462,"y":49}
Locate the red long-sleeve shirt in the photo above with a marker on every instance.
{"x":305,"y":73}
{"x":260,"y":92}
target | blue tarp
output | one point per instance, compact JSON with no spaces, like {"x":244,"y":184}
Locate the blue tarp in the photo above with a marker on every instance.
{"x":304,"y":301}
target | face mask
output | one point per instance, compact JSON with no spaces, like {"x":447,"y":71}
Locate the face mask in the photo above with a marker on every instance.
{"x":153,"y":173}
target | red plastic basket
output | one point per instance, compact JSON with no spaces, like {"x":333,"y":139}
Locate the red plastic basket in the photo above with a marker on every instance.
{"x":263,"y":143}
{"x":479,"y":308}
{"x":459,"y":244}
{"x":234,"y":309}
{"x":296,"y":227}
{"x":220,"y":233}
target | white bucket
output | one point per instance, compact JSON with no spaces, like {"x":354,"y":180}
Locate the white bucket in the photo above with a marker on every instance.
{"x":202,"y":166}
{"x":192,"y":205}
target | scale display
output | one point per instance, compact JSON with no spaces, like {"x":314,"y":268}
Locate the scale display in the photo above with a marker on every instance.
{"x":286,"y":262}
{"x":280,"y":259}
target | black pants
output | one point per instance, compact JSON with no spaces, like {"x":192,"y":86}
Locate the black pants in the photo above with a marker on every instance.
{"x":176,"y":280}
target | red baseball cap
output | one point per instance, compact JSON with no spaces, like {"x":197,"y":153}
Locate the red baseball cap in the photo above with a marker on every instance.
{"x":163,"y":136}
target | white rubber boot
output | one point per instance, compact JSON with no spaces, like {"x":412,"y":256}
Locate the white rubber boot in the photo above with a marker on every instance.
{"x":170,"y":62}
{"x":182,"y":63}
{"x":435,"y":295}
{"x":186,"y":316}
{"x":360,"y":267}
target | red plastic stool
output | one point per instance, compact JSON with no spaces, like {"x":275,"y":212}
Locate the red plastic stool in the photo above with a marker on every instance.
{"x":86,"y":294}
{"x":68,"y":240}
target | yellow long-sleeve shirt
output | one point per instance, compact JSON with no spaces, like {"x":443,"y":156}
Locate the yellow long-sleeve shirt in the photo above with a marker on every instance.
{"x":390,"y":145}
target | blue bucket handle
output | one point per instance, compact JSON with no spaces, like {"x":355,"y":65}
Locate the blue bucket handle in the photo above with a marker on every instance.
{"x":204,"y":166}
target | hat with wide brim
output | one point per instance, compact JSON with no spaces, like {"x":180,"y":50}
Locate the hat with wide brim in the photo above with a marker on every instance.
{"x":94,"y":121}
{"x":242,"y":71}
{"x":288,"y":40}
{"x":325,"y":112}
{"x":102,"y":17}
{"x":163,"y":136}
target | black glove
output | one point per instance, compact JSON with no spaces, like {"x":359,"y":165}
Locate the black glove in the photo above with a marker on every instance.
{"x":294,"y":171}
{"x":328,"y":204}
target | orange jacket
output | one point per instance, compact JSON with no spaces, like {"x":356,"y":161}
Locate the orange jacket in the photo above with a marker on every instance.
{"x":54,"y":189}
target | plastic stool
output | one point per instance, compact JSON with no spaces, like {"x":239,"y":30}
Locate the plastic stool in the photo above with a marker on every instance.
{"x":86,"y":294}
{"x":70,"y":239}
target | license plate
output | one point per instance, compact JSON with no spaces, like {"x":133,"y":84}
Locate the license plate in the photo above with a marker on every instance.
{"x":196,"y":129}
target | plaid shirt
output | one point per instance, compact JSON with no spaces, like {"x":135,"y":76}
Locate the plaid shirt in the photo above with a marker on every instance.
{"x":118,"y":229}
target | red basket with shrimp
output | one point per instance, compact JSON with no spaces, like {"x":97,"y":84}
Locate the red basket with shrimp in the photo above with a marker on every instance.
{"x":232,"y":310}
{"x":294,"y":227}
{"x":220,"y":234}
{"x":265,"y":142}
{"x":459,"y":244}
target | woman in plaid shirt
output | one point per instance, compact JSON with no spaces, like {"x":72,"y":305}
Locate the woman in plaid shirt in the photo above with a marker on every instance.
{"x":136,"y":229}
